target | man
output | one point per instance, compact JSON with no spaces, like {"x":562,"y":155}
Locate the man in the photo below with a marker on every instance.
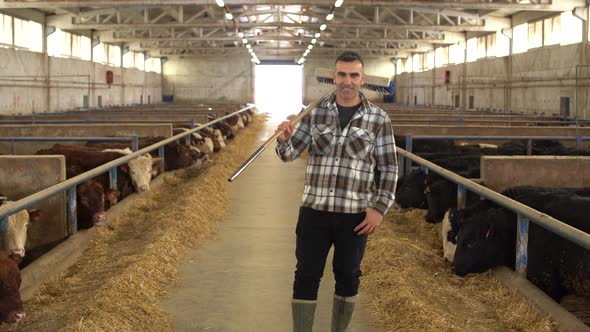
{"x":350,"y":140}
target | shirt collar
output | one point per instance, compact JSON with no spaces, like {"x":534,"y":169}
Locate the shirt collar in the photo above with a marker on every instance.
{"x":330,"y":104}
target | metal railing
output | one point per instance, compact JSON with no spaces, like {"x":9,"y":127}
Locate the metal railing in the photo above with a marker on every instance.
{"x":191,"y":122}
{"x":410,"y":139}
{"x":69,"y":185}
{"x":133,"y":139}
{"x":514,"y":122}
{"x":524,"y":212}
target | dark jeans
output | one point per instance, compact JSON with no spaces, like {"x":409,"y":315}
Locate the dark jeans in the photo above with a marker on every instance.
{"x":316,"y":232}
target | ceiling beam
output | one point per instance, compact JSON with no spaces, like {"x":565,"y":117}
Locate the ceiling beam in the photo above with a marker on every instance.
{"x":541,"y":5}
{"x":397,"y":27}
{"x":305,"y":40}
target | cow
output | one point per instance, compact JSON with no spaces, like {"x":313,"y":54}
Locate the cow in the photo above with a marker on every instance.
{"x":236,"y":122}
{"x":226,"y":130}
{"x":90,"y":199}
{"x":176,"y":155}
{"x":11,"y":306}
{"x":555,"y":265}
{"x":13,"y":234}
{"x":449,"y":239}
{"x":410,"y":190}
{"x":450,"y":226}
{"x":441,"y":195}
{"x":139,"y":169}
{"x":204,"y":144}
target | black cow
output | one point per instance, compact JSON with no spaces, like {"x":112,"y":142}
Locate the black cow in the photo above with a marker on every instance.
{"x":410,"y":190}
{"x":556,"y":265}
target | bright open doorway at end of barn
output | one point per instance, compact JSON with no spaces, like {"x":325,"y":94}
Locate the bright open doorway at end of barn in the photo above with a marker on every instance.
{"x":279,"y":90}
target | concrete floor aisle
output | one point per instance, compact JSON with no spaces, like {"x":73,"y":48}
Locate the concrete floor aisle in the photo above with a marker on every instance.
{"x":242,"y":280}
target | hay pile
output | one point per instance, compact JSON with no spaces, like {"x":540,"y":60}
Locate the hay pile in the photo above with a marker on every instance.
{"x":118,"y":283}
{"x":413,"y":288}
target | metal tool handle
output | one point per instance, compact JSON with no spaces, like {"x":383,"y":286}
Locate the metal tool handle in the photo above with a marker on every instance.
{"x":276,"y":135}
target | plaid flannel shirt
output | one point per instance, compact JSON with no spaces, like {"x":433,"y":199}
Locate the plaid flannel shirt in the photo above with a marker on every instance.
{"x":350,"y":168}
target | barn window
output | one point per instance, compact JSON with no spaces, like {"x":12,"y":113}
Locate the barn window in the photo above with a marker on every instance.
{"x":399,"y":66}
{"x":129,"y":59}
{"x":571,"y":29}
{"x":502,"y":44}
{"x":139,"y":61}
{"x":85,"y":48}
{"x":429,"y":63}
{"x":520,"y":38}
{"x":535,"y":34}
{"x":114,"y":56}
{"x":99,"y":53}
{"x":441,"y":56}
{"x":551,"y":30}
{"x":471,"y":49}
{"x":5,"y":29}
{"x":481,"y":47}
{"x":457,"y":53}
{"x":416,"y":63}
{"x":491,"y":45}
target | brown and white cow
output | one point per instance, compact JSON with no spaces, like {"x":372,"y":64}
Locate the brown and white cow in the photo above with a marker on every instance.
{"x":11,"y":306}
{"x":13,"y":235}
{"x":90,"y":204}
{"x":87,"y":158}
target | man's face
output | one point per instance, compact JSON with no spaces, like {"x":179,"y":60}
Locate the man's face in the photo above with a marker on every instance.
{"x":348,"y":78}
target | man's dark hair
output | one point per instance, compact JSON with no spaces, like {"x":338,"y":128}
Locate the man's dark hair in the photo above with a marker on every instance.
{"x":350,"y":56}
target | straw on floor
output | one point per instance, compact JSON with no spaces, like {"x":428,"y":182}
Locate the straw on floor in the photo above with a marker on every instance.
{"x":412,"y":288}
{"x":119,"y":282}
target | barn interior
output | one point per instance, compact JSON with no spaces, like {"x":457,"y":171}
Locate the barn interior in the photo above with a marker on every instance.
{"x":483,"y":96}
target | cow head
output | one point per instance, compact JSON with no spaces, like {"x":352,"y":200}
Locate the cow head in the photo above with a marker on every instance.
{"x":91,"y":204}
{"x":410,"y":191}
{"x":484,"y":241}
{"x":140,"y":172}
{"x":440,"y":195}
{"x":11,"y":306}
{"x":15,"y":234}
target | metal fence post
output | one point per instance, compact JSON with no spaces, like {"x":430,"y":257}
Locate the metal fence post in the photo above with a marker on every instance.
{"x":134,"y":143}
{"x":461,"y":197}
{"x":72,"y":216}
{"x":529,"y":147}
{"x":161,"y":155}
{"x":113,"y":178}
{"x":522,"y":241}
{"x":408,"y":161}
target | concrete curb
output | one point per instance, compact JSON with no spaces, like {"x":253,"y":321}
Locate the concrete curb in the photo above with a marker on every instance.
{"x":565,"y":320}
{"x":66,"y":253}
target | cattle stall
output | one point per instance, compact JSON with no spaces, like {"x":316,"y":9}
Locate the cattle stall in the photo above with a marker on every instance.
{"x":525,"y":215}
{"x":409,"y":141}
{"x":77,"y":130}
{"x":69,"y":186}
